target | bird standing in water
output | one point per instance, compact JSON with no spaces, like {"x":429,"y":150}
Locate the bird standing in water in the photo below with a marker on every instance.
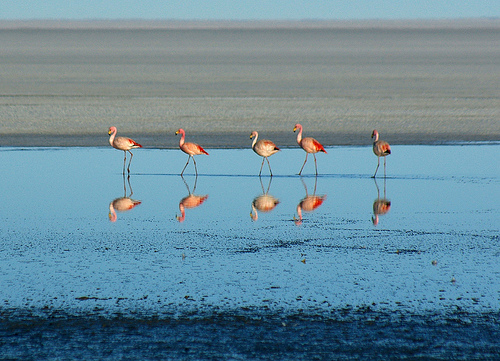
{"x":122,"y":143}
{"x":191,"y":149}
{"x":381,"y":149}
{"x":265,"y":148}
{"x":310,"y":145}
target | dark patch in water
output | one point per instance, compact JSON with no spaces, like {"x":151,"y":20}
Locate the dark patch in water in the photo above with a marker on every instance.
{"x":345,"y":333}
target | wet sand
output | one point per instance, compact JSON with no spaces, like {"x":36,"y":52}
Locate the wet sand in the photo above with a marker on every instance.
{"x":420,"y":83}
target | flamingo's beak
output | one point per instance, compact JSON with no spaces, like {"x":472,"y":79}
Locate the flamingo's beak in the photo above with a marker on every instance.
{"x":177,"y":132}
{"x":294,"y":129}
{"x":109,"y":132}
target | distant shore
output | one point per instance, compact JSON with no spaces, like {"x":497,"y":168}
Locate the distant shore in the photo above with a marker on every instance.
{"x":416,"y":81}
{"x":235,"y":140}
{"x":251,"y":24}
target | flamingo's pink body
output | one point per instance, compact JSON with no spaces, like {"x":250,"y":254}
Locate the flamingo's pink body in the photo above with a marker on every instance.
{"x":310,"y":145}
{"x":263,"y":203}
{"x":122,"y":143}
{"x":190,"y":201}
{"x":191,"y":149}
{"x":265,"y":148}
{"x":380,"y":207}
{"x":121,"y":205}
{"x":381,"y":149}
{"x":308,"y":204}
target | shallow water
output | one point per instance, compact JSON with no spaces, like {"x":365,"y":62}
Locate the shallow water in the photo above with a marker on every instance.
{"x":434,"y":250}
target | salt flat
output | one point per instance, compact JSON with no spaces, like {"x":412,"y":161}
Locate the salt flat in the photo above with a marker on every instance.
{"x":418,"y":84}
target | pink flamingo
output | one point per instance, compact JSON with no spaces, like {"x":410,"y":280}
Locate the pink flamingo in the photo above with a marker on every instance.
{"x":381,"y":206}
{"x":265,"y":148}
{"x":122,"y":143}
{"x":310,"y":145}
{"x":124,"y":203}
{"x":191,"y":149}
{"x":190,"y":201}
{"x":381,"y":149}
{"x":263,"y":203}
{"x":308,"y":204}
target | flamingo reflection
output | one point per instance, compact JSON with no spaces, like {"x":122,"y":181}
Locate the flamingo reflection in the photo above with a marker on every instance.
{"x":124,"y":203}
{"x":309,"y":203}
{"x":381,"y":205}
{"x":263,"y":203}
{"x":190,"y":201}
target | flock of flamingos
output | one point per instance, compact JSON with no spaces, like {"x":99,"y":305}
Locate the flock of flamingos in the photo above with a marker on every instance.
{"x":265,"y":148}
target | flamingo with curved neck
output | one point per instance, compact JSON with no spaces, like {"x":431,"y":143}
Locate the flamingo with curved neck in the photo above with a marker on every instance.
{"x":122,"y":143}
{"x":310,"y":145}
{"x":190,"y":149}
{"x":381,"y":206}
{"x":381,"y":149}
{"x":122,"y":204}
{"x":190,"y":201}
{"x":265,"y":148}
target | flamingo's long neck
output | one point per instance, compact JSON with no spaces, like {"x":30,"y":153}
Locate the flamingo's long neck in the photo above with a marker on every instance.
{"x":112,"y":137}
{"x":298,"y":221}
{"x":254,"y":213}
{"x":183,"y":213}
{"x":299,"y":210}
{"x":183,"y":137}
{"x":255,"y":139}
{"x":112,"y":213}
{"x":299,"y":135}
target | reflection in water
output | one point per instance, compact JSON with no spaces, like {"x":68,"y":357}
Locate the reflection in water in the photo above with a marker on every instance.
{"x":381,"y":205}
{"x":309,"y":203}
{"x":124,"y":203}
{"x":191,"y":200}
{"x":263,"y":203}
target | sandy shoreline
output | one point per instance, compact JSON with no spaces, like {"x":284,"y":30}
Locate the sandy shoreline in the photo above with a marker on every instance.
{"x":234,"y":140}
{"x":423,"y":83}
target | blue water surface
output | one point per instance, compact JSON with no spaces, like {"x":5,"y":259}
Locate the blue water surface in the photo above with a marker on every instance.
{"x":434,"y":245}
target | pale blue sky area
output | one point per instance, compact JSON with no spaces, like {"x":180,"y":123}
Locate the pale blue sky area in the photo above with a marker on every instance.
{"x":248,"y":9}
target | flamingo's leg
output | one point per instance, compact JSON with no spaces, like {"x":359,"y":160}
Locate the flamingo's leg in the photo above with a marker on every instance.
{"x":130,"y":161}
{"x":261,"y":166}
{"x":303,"y":164}
{"x":378,"y":164}
{"x":124,"y":160}
{"x":269,"y":164}
{"x":183,"y":169}
{"x":195,"y":168}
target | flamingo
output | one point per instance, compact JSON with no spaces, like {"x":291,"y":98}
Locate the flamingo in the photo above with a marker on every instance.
{"x":122,"y":204}
{"x":265,"y":148}
{"x":310,"y":145}
{"x":381,"y":206}
{"x":381,"y":149}
{"x":191,"y":149}
{"x":122,"y":143}
{"x":263,"y":203}
{"x":190,"y":201}
{"x":308,"y":204}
